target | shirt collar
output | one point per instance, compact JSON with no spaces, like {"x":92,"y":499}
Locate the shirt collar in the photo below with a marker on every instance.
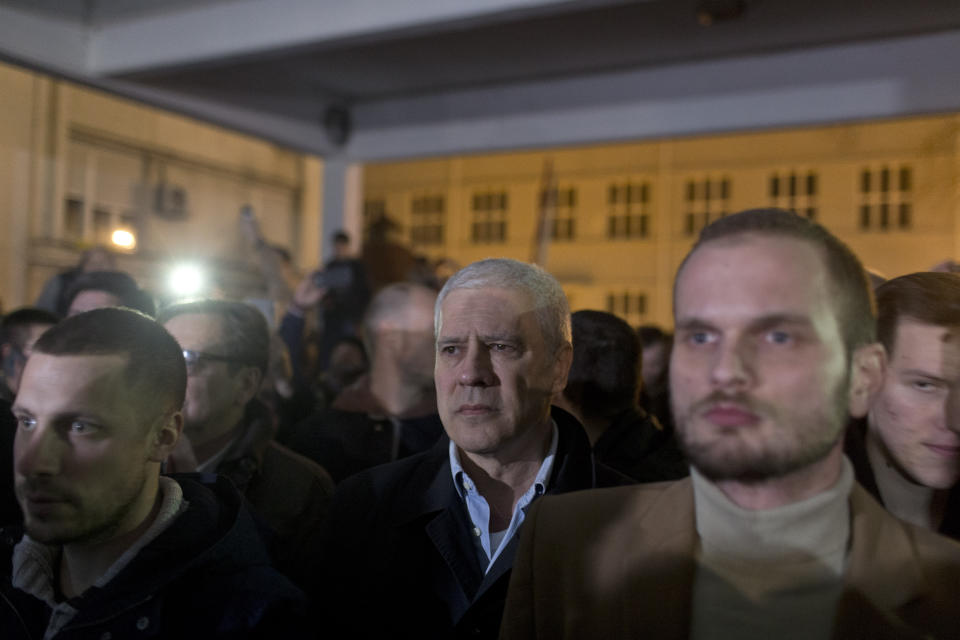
{"x":461,"y":480}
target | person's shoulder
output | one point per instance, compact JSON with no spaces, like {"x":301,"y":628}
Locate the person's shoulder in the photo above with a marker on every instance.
{"x":278,"y":459}
{"x":885,"y":546}
{"x":937,"y":552}
{"x":211,"y":568}
{"x":613,"y":503}
{"x":400,"y":476}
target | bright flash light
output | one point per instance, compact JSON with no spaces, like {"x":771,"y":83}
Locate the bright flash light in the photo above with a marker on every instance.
{"x":186,"y":280}
{"x":124,"y":239}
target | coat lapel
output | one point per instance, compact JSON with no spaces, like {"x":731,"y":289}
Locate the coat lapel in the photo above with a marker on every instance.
{"x":448,"y":529}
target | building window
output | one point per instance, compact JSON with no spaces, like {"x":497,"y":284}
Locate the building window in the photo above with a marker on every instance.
{"x":629,"y":305}
{"x":489,"y":224}
{"x":102,"y":225}
{"x":705,"y":201}
{"x":886,"y":198}
{"x":73,"y":219}
{"x":563,"y":202}
{"x":795,"y":191}
{"x":426,"y":220}
{"x":628,"y":210}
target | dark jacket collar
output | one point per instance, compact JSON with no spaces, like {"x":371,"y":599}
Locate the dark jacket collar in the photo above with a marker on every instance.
{"x":573,"y":467}
{"x":855,"y":446}
{"x":244,"y":459}
{"x":215,"y":530}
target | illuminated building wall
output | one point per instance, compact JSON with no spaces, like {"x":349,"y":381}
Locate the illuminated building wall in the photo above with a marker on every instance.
{"x":76,"y":164}
{"x":626,"y":214}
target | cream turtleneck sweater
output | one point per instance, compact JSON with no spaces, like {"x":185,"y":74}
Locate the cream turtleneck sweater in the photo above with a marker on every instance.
{"x":774,"y":573}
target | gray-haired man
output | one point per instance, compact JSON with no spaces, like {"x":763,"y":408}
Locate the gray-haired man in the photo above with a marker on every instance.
{"x":430,"y":539}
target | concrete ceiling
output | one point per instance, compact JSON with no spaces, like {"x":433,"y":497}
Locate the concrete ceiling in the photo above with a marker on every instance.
{"x":444,"y":76}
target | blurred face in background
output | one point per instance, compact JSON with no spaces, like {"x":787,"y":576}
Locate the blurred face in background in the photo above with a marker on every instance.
{"x":217,"y":388}
{"x":15,"y":355}
{"x":915,"y":417}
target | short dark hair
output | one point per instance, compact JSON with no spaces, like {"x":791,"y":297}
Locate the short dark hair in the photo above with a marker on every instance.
{"x":155,"y":359}
{"x":855,"y":308}
{"x":245,"y":335}
{"x":340,"y":237}
{"x":605,"y":375}
{"x":930,"y":297}
{"x":14,"y":326}
{"x":116,"y":283}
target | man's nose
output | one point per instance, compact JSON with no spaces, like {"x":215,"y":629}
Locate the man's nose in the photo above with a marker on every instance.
{"x":476,"y":368}
{"x":37,"y":451}
{"x":732,"y":364}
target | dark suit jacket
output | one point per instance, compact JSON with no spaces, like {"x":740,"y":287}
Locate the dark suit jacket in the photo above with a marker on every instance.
{"x":620,"y":564}
{"x":399,"y":555}
{"x":637,"y":446}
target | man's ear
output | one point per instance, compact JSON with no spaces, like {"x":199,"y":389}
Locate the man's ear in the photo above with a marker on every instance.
{"x":561,"y":367}
{"x":165,"y":439}
{"x":249,"y":384}
{"x":867,"y":367}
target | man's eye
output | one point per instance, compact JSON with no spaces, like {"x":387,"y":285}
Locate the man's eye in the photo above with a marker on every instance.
{"x":701,"y":337}
{"x":779,"y":337}
{"x":79,"y":427}
{"x":26,"y":423}
{"x":924,"y":385}
{"x":499,"y":346}
{"x":448,"y":349}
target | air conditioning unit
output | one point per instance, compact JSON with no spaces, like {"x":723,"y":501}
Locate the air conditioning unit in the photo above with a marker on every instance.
{"x":170,"y":202}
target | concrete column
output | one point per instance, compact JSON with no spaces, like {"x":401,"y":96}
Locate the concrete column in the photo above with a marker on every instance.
{"x":342,"y":203}
{"x":17,"y":233}
{"x":956,"y":193}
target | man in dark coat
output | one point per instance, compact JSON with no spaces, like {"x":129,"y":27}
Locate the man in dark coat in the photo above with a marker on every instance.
{"x":602,"y":392}
{"x":391,"y":412}
{"x":111,"y":548}
{"x":226,"y":346}
{"x":431,"y":539}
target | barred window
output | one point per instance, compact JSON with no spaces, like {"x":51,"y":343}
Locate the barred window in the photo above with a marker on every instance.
{"x":563,"y":225}
{"x":489,"y":223}
{"x":628,"y":210}
{"x":795,"y":191}
{"x":886,"y":198}
{"x":427,"y":220}
{"x":629,"y":305}
{"x":705,"y":201}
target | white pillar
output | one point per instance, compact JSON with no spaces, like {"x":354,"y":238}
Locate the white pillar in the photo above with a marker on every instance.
{"x":342,"y":202}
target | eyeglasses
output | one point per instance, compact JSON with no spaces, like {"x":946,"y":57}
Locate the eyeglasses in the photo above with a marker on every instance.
{"x":195,"y":359}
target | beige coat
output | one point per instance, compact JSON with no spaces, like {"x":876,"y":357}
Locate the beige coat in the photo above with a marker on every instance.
{"x":619,"y":563}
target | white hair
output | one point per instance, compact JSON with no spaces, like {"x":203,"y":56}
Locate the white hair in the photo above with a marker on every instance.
{"x":549,"y":301}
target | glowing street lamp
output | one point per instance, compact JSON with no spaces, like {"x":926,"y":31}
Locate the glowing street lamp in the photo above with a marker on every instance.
{"x":124,"y":239}
{"x":186,"y":280}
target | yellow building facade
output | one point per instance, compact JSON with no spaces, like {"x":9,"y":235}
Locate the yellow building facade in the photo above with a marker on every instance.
{"x":76,"y":164}
{"x":624,"y":215}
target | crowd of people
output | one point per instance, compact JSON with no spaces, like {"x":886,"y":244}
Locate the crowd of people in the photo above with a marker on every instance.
{"x":463,"y":457}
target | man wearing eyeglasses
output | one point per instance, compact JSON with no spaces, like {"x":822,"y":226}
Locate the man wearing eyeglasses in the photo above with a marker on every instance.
{"x":226,"y":348}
